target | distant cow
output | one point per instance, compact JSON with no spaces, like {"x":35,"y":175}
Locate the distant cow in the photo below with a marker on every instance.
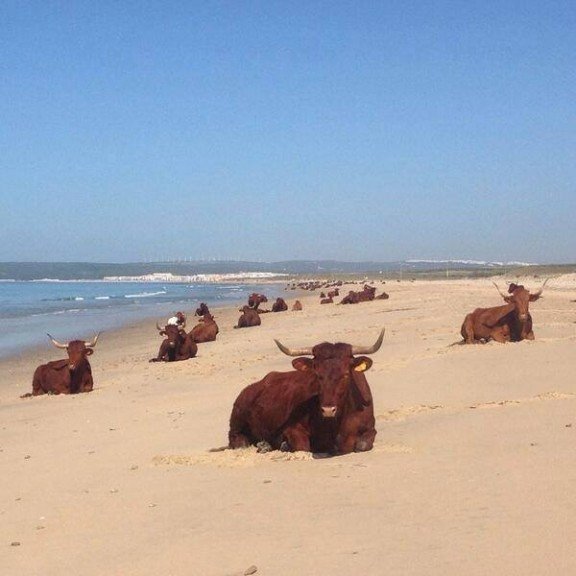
{"x":69,"y":376}
{"x":383,"y":296}
{"x":511,"y":322}
{"x":176,"y":346}
{"x":365,"y":295}
{"x":255,"y":299}
{"x":325,"y":405}
{"x":297,"y":306}
{"x":202,"y":310}
{"x":206,"y":329}
{"x":279,"y":306}
{"x":249,"y":318}
{"x":327,"y":300}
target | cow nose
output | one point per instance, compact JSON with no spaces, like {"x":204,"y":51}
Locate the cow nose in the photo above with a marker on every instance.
{"x":172,"y":344}
{"x":523,"y":316}
{"x":329,"y":411}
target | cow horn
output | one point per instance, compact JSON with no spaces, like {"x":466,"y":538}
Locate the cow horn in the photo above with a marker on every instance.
{"x":56,"y":343}
{"x":294,"y":351}
{"x":499,"y":291}
{"x":539,"y":292}
{"x":369,"y":349}
{"x":93,"y":343}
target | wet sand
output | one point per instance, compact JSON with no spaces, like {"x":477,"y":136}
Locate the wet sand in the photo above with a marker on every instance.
{"x":473,"y":469}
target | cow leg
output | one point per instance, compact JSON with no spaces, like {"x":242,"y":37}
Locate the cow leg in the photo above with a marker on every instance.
{"x":238,"y":440}
{"x":467,"y":330}
{"x":530,"y":335}
{"x":162,"y":352}
{"x":499,"y":336}
{"x":37,"y":389}
{"x":297,"y":438}
{"x":365,"y":441}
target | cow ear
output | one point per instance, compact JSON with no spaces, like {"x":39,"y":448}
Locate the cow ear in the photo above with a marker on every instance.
{"x":302,"y":364}
{"x":89,"y":351}
{"x":534,"y":297}
{"x":361,"y":364}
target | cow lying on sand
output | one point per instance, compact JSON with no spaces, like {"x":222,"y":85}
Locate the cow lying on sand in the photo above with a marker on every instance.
{"x":176,"y":346}
{"x":206,"y":330}
{"x":511,"y":322}
{"x":324,"y":405}
{"x":70,"y":376}
{"x":248,"y":318}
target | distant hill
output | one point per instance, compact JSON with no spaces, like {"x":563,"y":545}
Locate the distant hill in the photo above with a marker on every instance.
{"x":415,"y":268}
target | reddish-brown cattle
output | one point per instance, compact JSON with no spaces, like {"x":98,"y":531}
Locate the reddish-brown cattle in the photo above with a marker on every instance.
{"x":297,"y":306}
{"x":280,"y":305}
{"x":176,"y":346}
{"x":69,"y":376}
{"x":511,"y":322}
{"x":248,"y":318}
{"x":202,"y":310}
{"x":205,"y":331}
{"x":254,"y":300}
{"x":325,"y":405}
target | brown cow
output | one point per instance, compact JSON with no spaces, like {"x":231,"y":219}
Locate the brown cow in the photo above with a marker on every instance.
{"x":254,"y":300}
{"x":325,"y":405}
{"x":69,"y":376}
{"x":202,"y":310}
{"x":297,"y":306}
{"x":511,"y":322}
{"x":206,"y":329}
{"x":280,"y":305}
{"x":176,"y":346}
{"x":249,"y":318}
{"x":327,"y":300}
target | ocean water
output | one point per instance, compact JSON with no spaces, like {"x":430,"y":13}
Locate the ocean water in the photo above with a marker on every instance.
{"x":77,"y":310}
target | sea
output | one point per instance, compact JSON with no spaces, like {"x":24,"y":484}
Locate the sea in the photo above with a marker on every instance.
{"x":71,"y":310}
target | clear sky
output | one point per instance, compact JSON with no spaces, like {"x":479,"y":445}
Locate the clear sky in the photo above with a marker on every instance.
{"x":272,"y":130}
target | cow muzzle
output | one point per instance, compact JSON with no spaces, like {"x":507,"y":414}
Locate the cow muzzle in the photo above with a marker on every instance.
{"x":329,"y":411}
{"x":523,"y":317}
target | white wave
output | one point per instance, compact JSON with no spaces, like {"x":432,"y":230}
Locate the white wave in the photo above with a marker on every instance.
{"x":102,"y":298}
{"x":144,"y":294}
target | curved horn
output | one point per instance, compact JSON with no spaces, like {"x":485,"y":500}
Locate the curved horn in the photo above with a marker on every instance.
{"x":57,"y":344}
{"x":499,"y":291}
{"x":539,"y":292}
{"x":294,"y":351}
{"x":93,"y":343}
{"x":369,"y":349}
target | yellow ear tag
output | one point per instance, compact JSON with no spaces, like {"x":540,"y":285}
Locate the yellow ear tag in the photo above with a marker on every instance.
{"x":362,"y":367}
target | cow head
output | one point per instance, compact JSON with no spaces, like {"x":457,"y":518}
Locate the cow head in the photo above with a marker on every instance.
{"x":254,"y":300}
{"x":520,"y":298}
{"x":171,"y":332}
{"x":337,"y":370}
{"x":77,"y":350}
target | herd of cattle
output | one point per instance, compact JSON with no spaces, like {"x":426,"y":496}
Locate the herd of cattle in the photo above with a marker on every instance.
{"x":325,"y":403}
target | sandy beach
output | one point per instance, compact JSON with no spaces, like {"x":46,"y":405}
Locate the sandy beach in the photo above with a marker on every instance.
{"x":473,"y":470}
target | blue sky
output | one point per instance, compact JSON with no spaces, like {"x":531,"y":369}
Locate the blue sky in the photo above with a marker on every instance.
{"x":269,"y":130}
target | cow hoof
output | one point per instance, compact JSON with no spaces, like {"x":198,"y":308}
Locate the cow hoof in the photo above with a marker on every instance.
{"x":263,"y":447}
{"x":362,"y":446}
{"x":285,"y":447}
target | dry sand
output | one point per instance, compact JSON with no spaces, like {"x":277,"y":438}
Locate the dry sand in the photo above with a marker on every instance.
{"x":473,"y":470}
